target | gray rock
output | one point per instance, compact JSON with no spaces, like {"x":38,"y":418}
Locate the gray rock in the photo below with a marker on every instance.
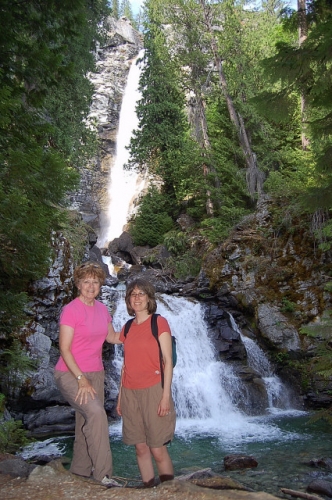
{"x":16,"y":467}
{"x":320,"y":486}
{"x":276,"y":328}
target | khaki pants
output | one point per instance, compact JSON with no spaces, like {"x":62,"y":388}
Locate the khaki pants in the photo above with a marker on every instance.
{"x":92,"y":451}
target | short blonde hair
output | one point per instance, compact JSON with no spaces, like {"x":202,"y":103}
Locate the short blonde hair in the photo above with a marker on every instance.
{"x":89,"y":268}
{"x":147,"y":288}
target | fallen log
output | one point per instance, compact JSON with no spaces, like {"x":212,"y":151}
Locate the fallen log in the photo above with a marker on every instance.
{"x":300,"y":494}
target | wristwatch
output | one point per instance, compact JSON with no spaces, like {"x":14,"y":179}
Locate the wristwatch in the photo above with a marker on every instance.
{"x":79,"y":376}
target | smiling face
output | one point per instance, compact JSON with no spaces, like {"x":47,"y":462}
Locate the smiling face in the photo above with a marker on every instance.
{"x":89,"y":288}
{"x":138,"y":300}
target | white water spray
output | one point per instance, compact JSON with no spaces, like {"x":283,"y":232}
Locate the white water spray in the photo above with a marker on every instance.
{"x":124,"y":185}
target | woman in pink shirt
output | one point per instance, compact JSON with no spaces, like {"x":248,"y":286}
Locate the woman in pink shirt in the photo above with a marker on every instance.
{"x":79,"y":373}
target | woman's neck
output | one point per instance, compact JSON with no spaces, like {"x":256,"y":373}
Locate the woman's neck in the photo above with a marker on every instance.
{"x":86,"y":301}
{"x":141,"y":316}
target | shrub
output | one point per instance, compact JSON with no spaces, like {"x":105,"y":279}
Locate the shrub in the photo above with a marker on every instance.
{"x":152,"y":220}
{"x":12,"y":434}
{"x":175,"y":242}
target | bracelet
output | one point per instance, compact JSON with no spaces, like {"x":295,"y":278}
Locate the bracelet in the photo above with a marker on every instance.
{"x":80,"y":376}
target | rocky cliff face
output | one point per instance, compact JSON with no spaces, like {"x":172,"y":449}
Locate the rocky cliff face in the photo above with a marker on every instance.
{"x":276,"y":279}
{"x":113,"y":64}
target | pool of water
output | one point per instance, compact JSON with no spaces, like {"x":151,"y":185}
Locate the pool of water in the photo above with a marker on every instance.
{"x":283,"y":452}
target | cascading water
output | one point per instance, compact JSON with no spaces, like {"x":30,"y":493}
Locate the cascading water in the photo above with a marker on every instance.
{"x":124,"y":185}
{"x":205,"y":389}
{"x":278,"y":396}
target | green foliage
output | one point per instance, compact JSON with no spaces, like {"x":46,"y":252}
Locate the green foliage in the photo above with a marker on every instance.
{"x":176,"y":242}
{"x":12,"y":434}
{"x":152,"y":220}
{"x":324,"y":236}
{"x":303,"y":72}
{"x":282,"y":358}
{"x":46,"y":52}
{"x":12,"y":312}
{"x":2,"y":403}
{"x":325,"y":414}
{"x":158,"y":143}
{"x":287,"y":306}
{"x":328,"y":287}
{"x":185,"y":265}
{"x":76,"y":232}
{"x":217,"y":229}
{"x":15,"y":365}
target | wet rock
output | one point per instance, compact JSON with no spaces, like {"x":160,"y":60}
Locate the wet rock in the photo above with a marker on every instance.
{"x":206,"y":478}
{"x":325,"y":463}
{"x":234,"y":462}
{"x":320,"y":486}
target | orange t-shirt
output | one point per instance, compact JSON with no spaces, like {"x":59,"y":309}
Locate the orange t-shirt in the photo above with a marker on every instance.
{"x":141,"y":354}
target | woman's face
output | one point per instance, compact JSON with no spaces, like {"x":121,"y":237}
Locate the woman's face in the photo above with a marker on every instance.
{"x":138,"y":300}
{"x":89,"y":288}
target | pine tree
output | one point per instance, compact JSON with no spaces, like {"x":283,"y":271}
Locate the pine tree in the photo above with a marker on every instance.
{"x":45,"y":53}
{"x":158,"y":143}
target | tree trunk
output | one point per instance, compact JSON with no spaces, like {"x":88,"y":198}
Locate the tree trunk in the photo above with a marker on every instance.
{"x":204,"y":141}
{"x":303,"y":33}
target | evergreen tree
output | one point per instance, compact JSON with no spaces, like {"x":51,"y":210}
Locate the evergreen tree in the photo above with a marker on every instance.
{"x":304,"y":72}
{"x":45,"y":53}
{"x":115,"y":6}
{"x":159,"y":142}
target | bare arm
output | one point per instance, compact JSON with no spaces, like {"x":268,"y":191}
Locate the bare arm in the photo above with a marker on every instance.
{"x":84,"y":389}
{"x":118,"y":405}
{"x":113,"y":337}
{"x":166,"y":349}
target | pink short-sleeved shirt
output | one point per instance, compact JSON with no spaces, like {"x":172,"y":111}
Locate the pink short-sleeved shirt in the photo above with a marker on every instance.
{"x":90,"y":324}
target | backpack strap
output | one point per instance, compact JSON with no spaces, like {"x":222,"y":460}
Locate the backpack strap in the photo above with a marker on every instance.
{"x":154,"y":328}
{"x":127,"y":326}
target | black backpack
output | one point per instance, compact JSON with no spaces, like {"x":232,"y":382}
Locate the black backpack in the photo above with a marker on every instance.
{"x":154,"y":328}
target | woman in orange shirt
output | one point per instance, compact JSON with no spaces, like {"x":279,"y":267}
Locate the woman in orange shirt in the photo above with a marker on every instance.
{"x":146,"y":406}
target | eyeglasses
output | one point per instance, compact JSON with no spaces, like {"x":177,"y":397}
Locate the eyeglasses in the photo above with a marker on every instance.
{"x":138,"y":294}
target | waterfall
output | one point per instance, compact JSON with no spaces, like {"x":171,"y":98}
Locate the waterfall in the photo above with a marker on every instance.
{"x":124,"y":185}
{"x":277,"y":393}
{"x":205,"y":389}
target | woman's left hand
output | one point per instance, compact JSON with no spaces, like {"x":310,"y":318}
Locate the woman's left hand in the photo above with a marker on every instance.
{"x":164,"y":407}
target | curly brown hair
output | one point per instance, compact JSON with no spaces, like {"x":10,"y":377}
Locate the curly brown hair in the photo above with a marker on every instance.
{"x":147,"y":288}
{"x":89,"y":269}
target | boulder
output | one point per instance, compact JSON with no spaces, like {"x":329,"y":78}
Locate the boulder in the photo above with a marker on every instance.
{"x":235,"y":462}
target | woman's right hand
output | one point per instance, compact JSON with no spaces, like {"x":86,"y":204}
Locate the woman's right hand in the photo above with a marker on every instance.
{"x":85,"y":390}
{"x":118,"y":408}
